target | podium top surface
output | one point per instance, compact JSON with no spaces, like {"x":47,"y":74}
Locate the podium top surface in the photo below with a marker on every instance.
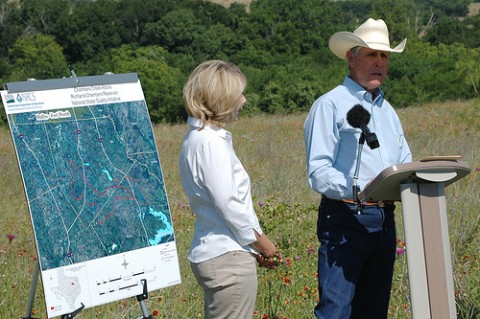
{"x":386,"y":186}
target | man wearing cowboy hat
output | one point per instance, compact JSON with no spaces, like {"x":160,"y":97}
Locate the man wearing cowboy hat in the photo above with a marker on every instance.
{"x":358,"y":240}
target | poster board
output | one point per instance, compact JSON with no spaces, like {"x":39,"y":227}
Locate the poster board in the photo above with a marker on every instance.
{"x":94,"y":186}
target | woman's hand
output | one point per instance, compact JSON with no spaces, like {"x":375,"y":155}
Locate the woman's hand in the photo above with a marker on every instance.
{"x":264,"y":245}
{"x":269,"y":262}
{"x":268,"y":257}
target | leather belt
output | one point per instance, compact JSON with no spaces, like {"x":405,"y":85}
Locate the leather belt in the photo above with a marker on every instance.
{"x":379,"y":203}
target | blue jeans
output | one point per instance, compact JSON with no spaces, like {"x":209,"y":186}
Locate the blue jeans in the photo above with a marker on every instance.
{"x":355,"y":260}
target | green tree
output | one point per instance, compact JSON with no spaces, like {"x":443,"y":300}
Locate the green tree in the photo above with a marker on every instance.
{"x":175,"y":31}
{"x":447,"y":30}
{"x":291,"y":27}
{"x":91,"y":29}
{"x":161,"y":84}
{"x":425,"y":73}
{"x":42,"y":15}
{"x":134,"y":15}
{"x":458,"y":8}
{"x":471,"y":37}
{"x":210,"y":13}
{"x":38,"y":57}
{"x":401,"y":17}
{"x":468,"y":68}
{"x":11,"y":27}
{"x":282,"y":46}
{"x":282,"y":89}
{"x":217,"y":42}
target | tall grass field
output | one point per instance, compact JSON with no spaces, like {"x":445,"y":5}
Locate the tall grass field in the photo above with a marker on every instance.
{"x":272,"y":150}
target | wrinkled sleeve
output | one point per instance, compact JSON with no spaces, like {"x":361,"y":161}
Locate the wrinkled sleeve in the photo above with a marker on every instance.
{"x":321,"y":136}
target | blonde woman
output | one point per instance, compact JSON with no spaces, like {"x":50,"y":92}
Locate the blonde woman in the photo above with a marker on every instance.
{"x":227,"y":238}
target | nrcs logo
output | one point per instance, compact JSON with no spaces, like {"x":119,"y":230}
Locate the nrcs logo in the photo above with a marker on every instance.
{"x":26,"y":97}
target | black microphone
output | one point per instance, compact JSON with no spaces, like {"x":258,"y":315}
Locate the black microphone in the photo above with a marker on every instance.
{"x":358,"y":117}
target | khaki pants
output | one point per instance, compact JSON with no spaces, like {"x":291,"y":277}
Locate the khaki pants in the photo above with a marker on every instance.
{"x":229,"y":285}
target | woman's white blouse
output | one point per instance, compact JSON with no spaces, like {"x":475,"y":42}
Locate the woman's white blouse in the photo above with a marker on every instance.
{"x":218,"y":189}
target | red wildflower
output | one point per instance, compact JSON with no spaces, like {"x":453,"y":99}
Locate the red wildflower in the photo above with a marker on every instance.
{"x":10,"y":237}
{"x":288,"y":261}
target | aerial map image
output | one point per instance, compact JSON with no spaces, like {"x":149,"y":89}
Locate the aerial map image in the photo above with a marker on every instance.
{"x":93,"y":181}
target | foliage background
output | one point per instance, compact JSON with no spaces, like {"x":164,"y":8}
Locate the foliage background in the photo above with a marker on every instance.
{"x":282,"y":46}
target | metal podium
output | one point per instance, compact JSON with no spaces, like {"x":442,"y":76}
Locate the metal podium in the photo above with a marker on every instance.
{"x":420,"y":186}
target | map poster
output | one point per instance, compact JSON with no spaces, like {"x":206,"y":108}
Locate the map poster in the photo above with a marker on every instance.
{"x":94,"y":187}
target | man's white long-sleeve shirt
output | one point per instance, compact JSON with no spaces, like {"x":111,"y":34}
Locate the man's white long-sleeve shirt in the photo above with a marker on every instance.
{"x":331,"y":142}
{"x":218,"y":189}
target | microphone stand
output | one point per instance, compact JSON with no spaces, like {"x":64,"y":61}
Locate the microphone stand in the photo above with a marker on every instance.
{"x":355,"y":188}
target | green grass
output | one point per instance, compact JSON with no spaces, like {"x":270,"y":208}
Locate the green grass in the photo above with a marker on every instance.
{"x":272,"y":150}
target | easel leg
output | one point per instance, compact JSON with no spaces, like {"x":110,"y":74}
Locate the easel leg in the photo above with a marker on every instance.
{"x":33,"y":288}
{"x":141,"y":299}
{"x":73,"y":314}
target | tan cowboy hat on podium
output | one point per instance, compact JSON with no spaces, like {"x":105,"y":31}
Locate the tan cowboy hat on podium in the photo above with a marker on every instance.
{"x":371,"y":34}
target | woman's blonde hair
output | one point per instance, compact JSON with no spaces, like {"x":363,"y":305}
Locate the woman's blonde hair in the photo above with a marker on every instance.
{"x":213,"y":92}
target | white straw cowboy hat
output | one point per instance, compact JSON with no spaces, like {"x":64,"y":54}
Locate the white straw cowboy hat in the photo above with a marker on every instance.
{"x":371,"y":34}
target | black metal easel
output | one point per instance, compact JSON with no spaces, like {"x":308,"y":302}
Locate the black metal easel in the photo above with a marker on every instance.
{"x":33,"y":288}
{"x":141,"y":299}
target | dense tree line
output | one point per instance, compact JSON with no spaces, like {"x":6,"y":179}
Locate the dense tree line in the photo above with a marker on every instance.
{"x":280,"y":44}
